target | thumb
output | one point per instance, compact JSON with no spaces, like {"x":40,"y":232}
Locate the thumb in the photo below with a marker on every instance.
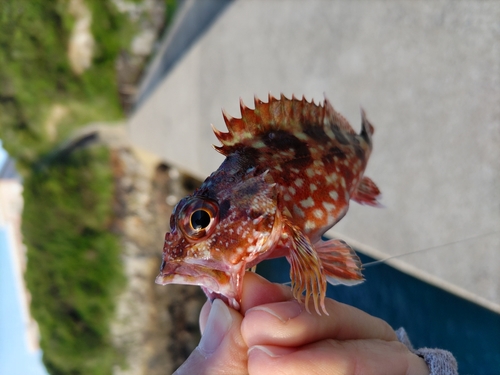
{"x":221,"y":349}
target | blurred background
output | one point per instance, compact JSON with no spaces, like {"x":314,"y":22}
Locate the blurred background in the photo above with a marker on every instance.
{"x":105,"y":112}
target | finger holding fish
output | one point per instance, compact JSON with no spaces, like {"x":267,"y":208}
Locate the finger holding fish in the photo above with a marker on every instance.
{"x":222,"y":349}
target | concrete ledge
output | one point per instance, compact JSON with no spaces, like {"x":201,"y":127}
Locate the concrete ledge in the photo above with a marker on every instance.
{"x":426,"y":72}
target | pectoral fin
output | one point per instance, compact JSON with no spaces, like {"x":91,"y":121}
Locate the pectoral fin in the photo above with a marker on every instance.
{"x":340,"y":262}
{"x":367,"y":193}
{"x":306,"y":271}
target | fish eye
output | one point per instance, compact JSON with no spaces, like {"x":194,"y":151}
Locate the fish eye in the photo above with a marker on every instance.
{"x":198,"y":217}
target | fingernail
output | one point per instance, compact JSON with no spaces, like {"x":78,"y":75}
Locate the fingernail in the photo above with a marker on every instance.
{"x":218,"y":323}
{"x":284,"y":311}
{"x":271,"y":351}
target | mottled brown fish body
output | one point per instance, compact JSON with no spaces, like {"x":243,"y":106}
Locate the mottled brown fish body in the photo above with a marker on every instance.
{"x":311,"y":152}
{"x":291,"y":169}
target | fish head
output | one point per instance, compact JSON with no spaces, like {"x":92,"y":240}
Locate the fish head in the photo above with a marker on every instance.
{"x":216,"y":234}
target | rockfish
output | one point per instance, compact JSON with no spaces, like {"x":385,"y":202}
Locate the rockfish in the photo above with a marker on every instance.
{"x":291,"y":168}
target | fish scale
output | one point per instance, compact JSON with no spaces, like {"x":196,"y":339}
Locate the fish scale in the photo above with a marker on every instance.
{"x":291,"y":168}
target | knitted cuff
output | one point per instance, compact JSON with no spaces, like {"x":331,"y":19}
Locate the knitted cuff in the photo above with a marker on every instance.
{"x":440,"y":362}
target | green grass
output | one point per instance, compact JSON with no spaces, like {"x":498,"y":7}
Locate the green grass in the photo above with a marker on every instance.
{"x":35,"y":73}
{"x":74,"y":269}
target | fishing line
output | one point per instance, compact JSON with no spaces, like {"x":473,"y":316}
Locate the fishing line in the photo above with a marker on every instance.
{"x":374,"y":263}
{"x":431,"y":248}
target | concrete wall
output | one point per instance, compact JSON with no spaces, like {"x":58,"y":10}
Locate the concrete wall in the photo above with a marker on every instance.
{"x":427,"y":74}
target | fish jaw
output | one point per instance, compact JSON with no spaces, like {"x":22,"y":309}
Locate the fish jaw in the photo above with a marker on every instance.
{"x":222,"y":284}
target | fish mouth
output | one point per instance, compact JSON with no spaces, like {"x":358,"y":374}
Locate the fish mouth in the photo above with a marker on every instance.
{"x":215,"y":283}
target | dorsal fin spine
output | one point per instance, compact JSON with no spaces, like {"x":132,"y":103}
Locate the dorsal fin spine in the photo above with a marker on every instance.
{"x":367,"y":128}
{"x":292,"y":114}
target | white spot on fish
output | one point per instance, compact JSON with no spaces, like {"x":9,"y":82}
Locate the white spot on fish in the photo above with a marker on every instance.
{"x":310,"y":172}
{"x":328,"y":206}
{"x":332,"y":178}
{"x":292,"y":190}
{"x":299,"y":182}
{"x":302,"y":136}
{"x":318,"y":213}
{"x":306,"y":203}
{"x":310,"y":225}
{"x":334,"y":195}
{"x":287,"y":197}
{"x":258,"y":220}
{"x":313,"y":187}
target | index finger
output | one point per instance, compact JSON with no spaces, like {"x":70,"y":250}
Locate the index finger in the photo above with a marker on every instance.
{"x":259,"y":291}
{"x":256,"y":291}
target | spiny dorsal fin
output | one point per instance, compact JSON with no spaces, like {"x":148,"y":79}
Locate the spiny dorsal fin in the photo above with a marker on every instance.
{"x":293,"y":115}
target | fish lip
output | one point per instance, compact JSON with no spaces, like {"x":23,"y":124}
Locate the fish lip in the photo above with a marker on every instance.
{"x":176,"y":273}
{"x":198,"y":280}
{"x":215,"y":283}
{"x":193,"y":274}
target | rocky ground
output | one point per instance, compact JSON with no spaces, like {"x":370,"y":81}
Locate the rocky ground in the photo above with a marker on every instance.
{"x":156,"y":327}
{"x":150,"y":17}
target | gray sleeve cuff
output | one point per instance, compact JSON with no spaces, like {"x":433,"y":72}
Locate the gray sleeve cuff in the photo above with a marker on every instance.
{"x":440,"y":362}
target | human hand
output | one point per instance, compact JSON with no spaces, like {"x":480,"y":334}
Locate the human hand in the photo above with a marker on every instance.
{"x":222,"y":349}
{"x":274,"y":334}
